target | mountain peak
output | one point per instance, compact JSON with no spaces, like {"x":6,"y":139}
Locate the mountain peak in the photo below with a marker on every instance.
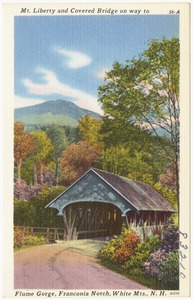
{"x":52,"y":111}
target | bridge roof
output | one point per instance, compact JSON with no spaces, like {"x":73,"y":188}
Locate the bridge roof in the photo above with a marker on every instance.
{"x":139,"y":194}
{"x":101,"y":186}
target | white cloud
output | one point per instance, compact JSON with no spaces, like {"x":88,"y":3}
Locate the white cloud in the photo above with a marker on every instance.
{"x":24,"y":102}
{"x":53,"y":86}
{"x":75,"y":59}
{"x":102,"y":73}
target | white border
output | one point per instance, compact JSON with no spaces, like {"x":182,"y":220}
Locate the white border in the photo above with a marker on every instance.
{"x":4,"y":122}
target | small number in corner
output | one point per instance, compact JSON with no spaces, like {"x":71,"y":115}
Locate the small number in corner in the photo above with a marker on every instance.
{"x":173,"y":12}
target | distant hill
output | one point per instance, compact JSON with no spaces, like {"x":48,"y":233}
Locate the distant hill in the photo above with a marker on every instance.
{"x":59,"y":112}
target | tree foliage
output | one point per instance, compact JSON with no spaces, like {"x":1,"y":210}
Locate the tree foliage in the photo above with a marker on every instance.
{"x":76,"y":160}
{"x":90,"y":131}
{"x":33,"y":213}
{"x":24,"y":145}
{"x":133,"y":163}
{"x":168,"y":179}
{"x":72,"y":134}
{"x":24,"y":191}
{"x":43,"y":152}
{"x":24,"y":213}
{"x":168,"y":194}
{"x":59,"y":141}
{"x":57,"y":136}
{"x":145,"y":93}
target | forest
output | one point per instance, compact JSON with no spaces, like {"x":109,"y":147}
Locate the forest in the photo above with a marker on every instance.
{"x":137,"y":136}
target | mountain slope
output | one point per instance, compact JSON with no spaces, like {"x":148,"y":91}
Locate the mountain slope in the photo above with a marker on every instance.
{"x":60,"y":112}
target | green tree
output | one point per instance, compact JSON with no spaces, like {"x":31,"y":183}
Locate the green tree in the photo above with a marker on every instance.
{"x":131,"y":151}
{"x":145,"y":93}
{"x":58,"y":138}
{"x":134,"y":163}
{"x":72,"y":134}
{"x":115,"y":160}
{"x":90,"y":131}
{"x":43,"y":152}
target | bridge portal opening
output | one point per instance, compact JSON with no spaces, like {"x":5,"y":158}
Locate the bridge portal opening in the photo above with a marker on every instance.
{"x":91,"y":219}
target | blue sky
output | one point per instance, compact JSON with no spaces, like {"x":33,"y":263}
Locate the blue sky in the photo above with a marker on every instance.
{"x":65,"y":57}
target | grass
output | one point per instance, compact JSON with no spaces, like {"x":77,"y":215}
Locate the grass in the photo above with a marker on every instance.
{"x":151,"y":283}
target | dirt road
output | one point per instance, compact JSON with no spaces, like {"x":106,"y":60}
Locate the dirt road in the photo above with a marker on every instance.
{"x":69,"y":265}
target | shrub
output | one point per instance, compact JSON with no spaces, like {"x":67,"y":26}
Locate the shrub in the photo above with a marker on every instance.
{"x":34,"y":213}
{"x":107,"y":253}
{"x":169,"y":272}
{"x":152,"y":267}
{"x":171,"y":239}
{"x":21,"y":239}
{"x":18,"y":238}
{"x":142,"y":254}
{"x":29,"y":240}
{"x":24,"y":213}
{"x":24,"y":191}
{"x":127,"y":247}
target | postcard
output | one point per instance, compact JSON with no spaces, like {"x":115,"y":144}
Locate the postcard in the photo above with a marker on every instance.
{"x":96,"y":145}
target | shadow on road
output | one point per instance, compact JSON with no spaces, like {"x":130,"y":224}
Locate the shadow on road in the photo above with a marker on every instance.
{"x":89,"y":247}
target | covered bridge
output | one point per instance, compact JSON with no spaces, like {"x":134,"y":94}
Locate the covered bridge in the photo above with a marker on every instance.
{"x":99,"y":202}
